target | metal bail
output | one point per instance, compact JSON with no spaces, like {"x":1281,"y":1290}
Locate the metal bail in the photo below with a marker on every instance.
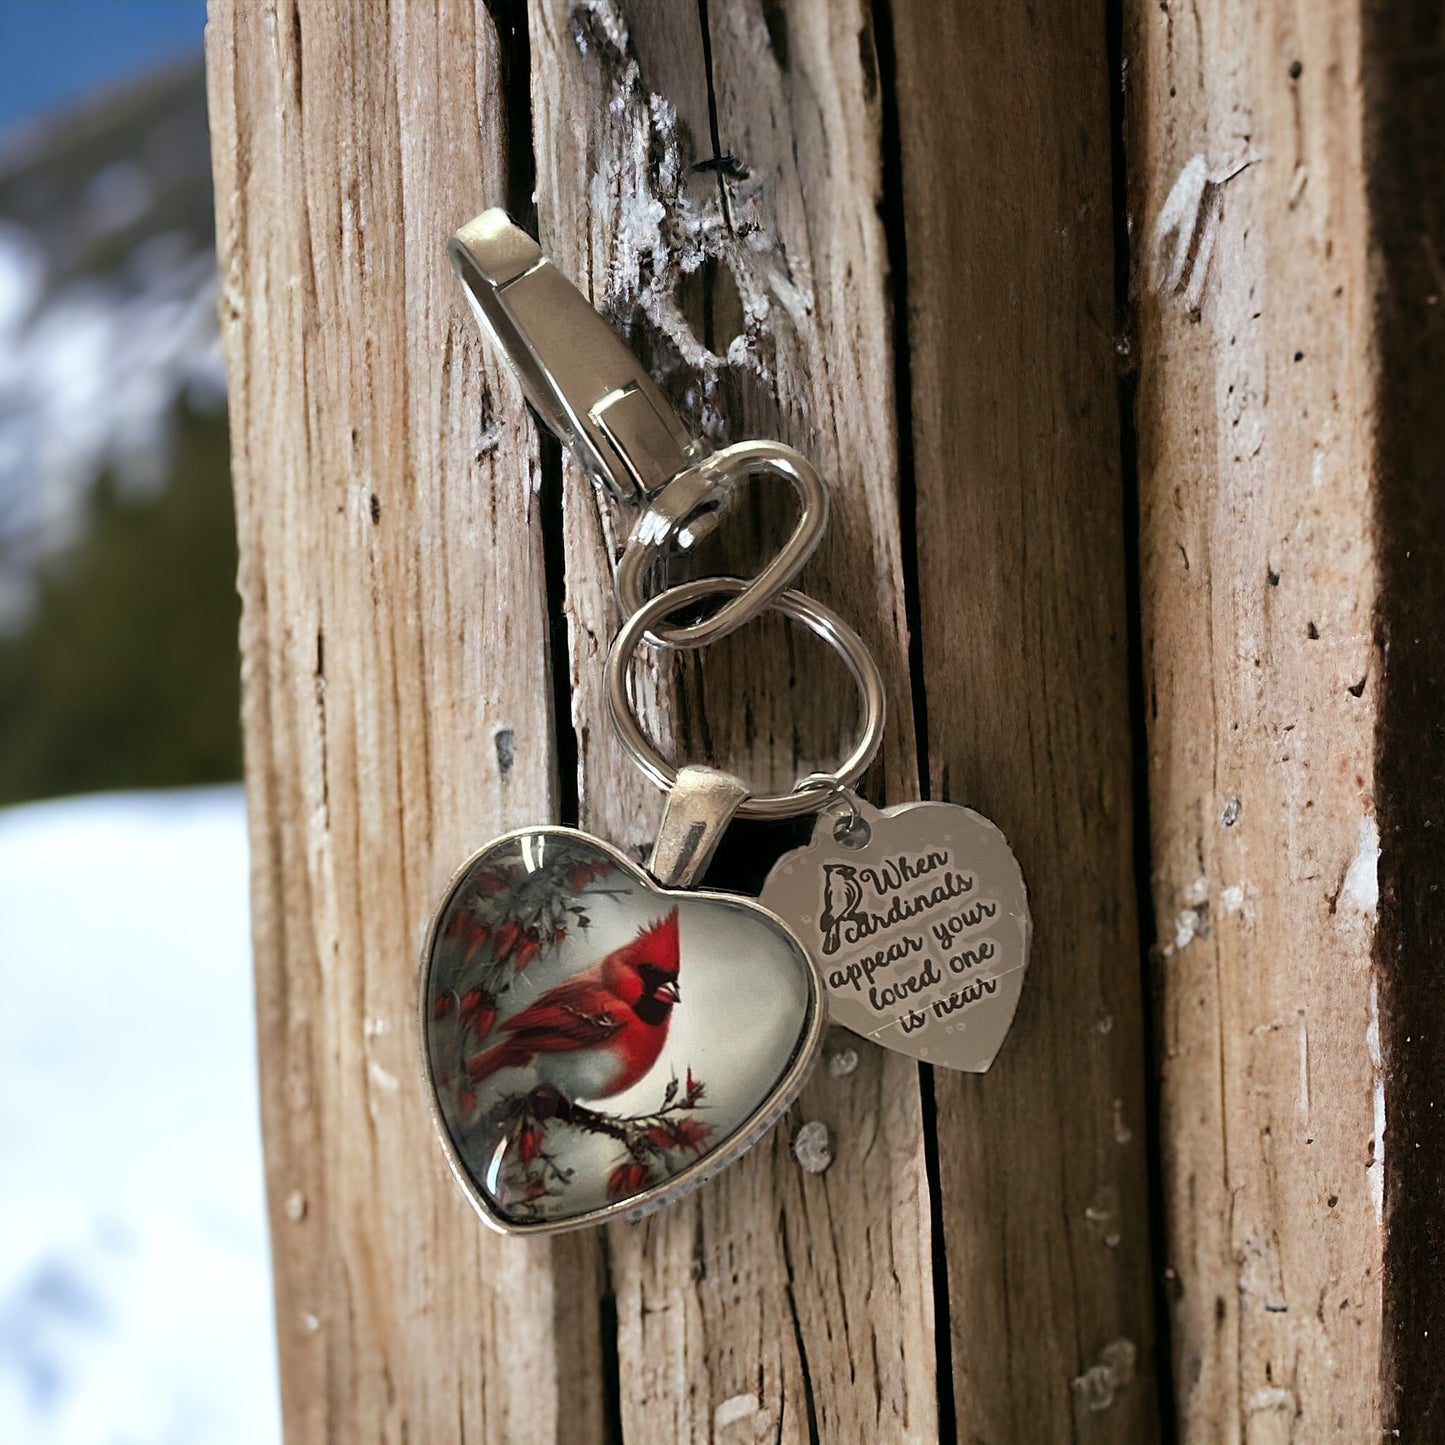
{"x":575,"y":370}
{"x":699,"y":808}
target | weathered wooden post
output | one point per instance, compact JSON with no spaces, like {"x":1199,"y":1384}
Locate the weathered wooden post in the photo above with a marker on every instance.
{"x":936,"y":256}
{"x":1287,"y":212}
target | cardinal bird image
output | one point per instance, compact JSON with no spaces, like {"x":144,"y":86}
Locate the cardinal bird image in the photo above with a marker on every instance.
{"x":601,"y":1031}
{"x":842,"y":893}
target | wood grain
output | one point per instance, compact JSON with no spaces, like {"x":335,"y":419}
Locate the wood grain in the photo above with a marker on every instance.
{"x":389,"y":556}
{"x":1006,"y":168}
{"x":1259,"y":578}
{"x":773,"y":1305}
{"x":400,"y":701}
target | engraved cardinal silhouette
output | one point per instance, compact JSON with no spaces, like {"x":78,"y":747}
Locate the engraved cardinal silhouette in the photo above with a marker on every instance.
{"x":842,"y":893}
{"x":600,"y":1031}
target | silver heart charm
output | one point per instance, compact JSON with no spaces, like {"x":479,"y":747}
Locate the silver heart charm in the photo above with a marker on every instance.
{"x":918,"y":916}
{"x":597,"y":1045}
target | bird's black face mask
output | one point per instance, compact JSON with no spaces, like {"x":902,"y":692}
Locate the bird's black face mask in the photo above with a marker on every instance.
{"x":659,"y":993}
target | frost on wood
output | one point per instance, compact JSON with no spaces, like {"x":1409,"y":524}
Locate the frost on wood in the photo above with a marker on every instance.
{"x":1360,"y":889}
{"x":1187,"y":227}
{"x":1096,"y":1388}
{"x":813,"y":1147}
{"x":669,"y":228}
{"x":742,"y":1418}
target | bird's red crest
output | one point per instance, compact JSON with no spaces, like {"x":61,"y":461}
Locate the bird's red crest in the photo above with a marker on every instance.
{"x":657,"y":944}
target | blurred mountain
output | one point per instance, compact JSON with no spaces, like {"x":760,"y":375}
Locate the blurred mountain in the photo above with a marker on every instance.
{"x":118,"y":612}
{"x":93,"y":183}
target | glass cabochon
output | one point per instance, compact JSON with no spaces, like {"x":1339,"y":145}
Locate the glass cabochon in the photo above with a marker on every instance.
{"x":591,"y":1035}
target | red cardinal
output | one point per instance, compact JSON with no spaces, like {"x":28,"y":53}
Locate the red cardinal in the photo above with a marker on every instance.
{"x":600,"y":1032}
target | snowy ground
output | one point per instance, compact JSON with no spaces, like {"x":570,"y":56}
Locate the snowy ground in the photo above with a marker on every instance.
{"x":135,"y":1300}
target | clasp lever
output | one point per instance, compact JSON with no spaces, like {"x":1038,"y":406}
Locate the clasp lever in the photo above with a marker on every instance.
{"x":575,"y":370}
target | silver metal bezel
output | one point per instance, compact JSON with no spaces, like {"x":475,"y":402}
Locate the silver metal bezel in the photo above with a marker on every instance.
{"x":762,"y":1119}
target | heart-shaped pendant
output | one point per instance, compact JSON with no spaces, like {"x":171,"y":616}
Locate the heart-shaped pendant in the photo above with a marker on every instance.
{"x":919,"y":919}
{"x":597,"y":1045}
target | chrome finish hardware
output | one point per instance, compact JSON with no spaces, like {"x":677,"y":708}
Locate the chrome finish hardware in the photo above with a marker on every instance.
{"x":574,"y":368}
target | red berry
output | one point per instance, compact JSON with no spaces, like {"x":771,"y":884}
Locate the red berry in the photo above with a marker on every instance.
{"x":507,"y":936}
{"x":690,"y":1133}
{"x":630,"y":1177}
{"x":479,"y":1010}
{"x":585,"y":873}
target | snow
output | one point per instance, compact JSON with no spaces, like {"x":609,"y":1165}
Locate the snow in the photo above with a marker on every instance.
{"x":135,"y":1297}
{"x":1361,"y":886}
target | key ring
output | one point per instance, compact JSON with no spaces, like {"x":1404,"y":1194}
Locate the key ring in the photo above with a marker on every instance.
{"x":822,"y":621}
{"x":671,"y":523}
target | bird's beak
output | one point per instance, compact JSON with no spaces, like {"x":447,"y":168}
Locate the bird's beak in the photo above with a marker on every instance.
{"x":669,"y":991}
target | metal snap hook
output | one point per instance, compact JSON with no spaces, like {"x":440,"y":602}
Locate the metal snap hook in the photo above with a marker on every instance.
{"x":574,"y":368}
{"x":589,"y":389}
{"x":821,"y":620}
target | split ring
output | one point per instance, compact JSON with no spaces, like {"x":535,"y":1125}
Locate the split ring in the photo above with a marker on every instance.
{"x":687,"y":508}
{"x":822,"y":621}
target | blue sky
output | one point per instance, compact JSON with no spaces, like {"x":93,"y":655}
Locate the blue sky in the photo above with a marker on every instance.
{"x":53,"y":51}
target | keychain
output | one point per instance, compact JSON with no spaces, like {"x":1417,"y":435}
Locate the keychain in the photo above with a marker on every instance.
{"x":599,"y":1039}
